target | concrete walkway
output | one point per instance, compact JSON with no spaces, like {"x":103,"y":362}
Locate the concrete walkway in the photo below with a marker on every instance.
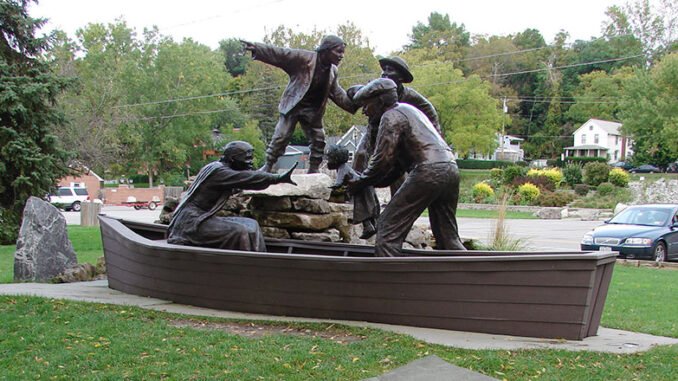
{"x":608,"y":340}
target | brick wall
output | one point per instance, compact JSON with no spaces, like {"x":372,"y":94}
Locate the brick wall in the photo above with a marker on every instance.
{"x":90,"y":182}
{"x":120,"y":194}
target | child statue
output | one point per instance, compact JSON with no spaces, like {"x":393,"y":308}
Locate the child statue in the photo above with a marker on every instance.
{"x":365,"y":203}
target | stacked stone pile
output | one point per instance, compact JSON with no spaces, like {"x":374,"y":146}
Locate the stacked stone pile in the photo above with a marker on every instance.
{"x":300,"y":212}
{"x":660,"y":191}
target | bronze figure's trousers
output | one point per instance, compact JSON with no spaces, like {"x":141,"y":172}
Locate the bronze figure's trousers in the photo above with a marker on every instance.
{"x":435,"y":186}
{"x":312,"y":126}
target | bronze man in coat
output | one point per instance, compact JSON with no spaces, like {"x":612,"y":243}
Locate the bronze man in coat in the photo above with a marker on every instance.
{"x":313,"y":79}
{"x":407,"y":140}
{"x":195,"y":223}
{"x":395,"y":69}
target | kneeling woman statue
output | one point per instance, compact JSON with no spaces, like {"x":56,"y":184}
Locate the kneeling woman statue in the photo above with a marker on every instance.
{"x":195,"y":223}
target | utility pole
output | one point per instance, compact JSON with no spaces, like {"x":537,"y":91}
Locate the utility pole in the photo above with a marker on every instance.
{"x":503,"y":132}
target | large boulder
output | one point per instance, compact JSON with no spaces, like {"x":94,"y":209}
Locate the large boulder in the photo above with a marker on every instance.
{"x":43,"y":249}
{"x":315,"y":185}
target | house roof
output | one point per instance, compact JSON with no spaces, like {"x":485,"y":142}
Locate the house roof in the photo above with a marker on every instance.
{"x":612,"y":128}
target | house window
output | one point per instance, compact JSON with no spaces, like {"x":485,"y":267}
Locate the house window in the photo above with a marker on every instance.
{"x":596,"y":139}
{"x":616,"y":153}
{"x":616,"y":140}
{"x":591,"y":128}
{"x":583,"y":138}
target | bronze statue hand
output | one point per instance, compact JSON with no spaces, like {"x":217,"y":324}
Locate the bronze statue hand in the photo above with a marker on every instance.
{"x":354,"y":186}
{"x":287,"y":176}
{"x":248,"y":45}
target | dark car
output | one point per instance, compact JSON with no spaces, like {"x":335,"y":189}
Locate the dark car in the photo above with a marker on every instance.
{"x":641,"y":231}
{"x":645,"y":168}
{"x":623,"y":165}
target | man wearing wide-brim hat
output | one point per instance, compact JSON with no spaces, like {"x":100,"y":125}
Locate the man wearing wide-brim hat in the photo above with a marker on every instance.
{"x":408,"y":141}
{"x":396,"y":69}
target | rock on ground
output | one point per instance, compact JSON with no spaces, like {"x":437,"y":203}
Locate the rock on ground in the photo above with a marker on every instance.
{"x":43,"y":249}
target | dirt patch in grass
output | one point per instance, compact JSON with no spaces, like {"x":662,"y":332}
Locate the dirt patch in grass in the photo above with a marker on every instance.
{"x":254,"y":330}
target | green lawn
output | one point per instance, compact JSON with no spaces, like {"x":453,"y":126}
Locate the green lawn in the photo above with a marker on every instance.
{"x":52,"y":339}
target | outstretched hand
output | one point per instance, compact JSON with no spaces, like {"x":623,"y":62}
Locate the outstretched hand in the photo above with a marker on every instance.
{"x":247,"y":45}
{"x":287,"y":176}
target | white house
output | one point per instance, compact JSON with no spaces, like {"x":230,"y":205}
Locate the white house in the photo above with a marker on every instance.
{"x":509,"y":148}
{"x":600,"y":138}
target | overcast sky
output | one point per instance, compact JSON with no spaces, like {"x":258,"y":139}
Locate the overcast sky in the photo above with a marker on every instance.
{"x":385,"y":24}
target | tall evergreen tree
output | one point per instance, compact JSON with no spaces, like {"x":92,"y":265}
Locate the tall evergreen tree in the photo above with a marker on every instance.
{"x":30,"y":159}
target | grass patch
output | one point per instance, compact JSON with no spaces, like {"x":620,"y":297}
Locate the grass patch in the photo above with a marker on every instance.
{"x":86,"y":242}
{"x":69,"y":340}
{"x":471,"y":213}
{"x":643,"y":300}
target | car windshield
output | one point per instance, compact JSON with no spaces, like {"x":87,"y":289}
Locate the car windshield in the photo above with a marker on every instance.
{"x":641,"y":216}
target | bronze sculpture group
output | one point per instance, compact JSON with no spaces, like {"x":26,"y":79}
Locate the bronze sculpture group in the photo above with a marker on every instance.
{"x":403,"y":148}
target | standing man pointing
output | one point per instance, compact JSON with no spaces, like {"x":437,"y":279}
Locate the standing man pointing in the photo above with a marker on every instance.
{"x":313,"y":79}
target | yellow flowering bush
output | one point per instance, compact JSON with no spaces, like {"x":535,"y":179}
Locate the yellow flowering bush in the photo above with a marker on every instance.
{"x":528,"y":193}
{"x":555,"y":175}
{"x":482,"y":192}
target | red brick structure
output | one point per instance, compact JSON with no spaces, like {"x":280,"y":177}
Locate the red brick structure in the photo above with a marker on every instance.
{"x":120,"y":194}
{"x":87,"y":179}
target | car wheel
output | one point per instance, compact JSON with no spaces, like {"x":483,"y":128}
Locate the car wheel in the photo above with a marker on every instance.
{"x":137,"y":207}
{"x":152,"y":205}
{"x":659,"y":252}
{"x":76,"y":206}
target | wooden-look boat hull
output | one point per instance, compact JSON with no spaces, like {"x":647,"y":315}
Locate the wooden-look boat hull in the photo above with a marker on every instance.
{"x":549,"y":295}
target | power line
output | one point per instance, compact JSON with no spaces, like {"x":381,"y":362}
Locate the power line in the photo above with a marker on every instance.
{"x":236,"y":92}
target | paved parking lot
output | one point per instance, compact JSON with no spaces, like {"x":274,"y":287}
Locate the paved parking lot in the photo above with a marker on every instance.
{"x":537,"y":234}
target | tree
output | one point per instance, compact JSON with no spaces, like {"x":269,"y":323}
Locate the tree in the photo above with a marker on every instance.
{"x":654,"y":27}
{"x":649,"y":112}
{"x":441,"y":37}
{"x":235,"y":59}
{"x":103,"y":59}
{"x":31,"y":160}
{"x":598,"y":96}
{"x":177,"y":103}
{"x":469,"y":116}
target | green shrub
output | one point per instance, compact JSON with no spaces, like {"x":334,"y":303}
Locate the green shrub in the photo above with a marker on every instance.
{"x":513,"y":171}
{"x":482,"y":192}
{"x":572,"y":174}
{"x":618,"y":177}
{"x":555,"y":198}
{"x":595,"y":173}
{"x":581,"y":189}
{"x":597,"y":201}
{"x":496,"y":176}
{"x":605,"y":189}
{"x":528,"y":193}
{"x":584,"y":160}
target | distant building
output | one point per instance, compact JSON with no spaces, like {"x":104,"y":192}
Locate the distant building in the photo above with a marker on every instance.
{"x":508,"y":149}
{"x":293,"y":154}
{"x":600,"y":138}
{"x":86,"y":178}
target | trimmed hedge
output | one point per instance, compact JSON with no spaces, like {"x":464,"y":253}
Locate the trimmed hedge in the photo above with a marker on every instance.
{"x":486,"y":164}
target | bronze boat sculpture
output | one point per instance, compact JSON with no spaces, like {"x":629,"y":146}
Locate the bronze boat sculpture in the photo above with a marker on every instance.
{"x":536,"y":294}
